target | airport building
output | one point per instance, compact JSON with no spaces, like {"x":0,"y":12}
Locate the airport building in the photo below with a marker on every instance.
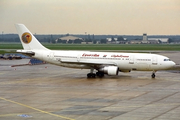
{"x":145,"y":39}
{"x":159,"y":40}
{"x":66,"y":39}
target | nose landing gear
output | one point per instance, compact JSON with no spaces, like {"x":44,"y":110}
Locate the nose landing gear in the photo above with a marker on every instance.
{"x":153,"y":74}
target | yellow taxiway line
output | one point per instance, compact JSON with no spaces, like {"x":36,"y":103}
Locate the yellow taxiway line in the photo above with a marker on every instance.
{"x":36,"y":109}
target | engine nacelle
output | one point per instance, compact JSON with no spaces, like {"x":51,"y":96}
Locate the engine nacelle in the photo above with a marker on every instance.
{"x":110,"y":70}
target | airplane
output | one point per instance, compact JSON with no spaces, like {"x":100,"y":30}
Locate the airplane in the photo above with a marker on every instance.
{"x":110,"y":63}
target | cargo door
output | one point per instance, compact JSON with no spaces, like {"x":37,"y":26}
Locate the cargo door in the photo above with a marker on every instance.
{"x":154,"y":60}
{"x":131,"y":60}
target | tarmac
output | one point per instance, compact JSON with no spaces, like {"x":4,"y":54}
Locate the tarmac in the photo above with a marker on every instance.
{"x":43,"y":92}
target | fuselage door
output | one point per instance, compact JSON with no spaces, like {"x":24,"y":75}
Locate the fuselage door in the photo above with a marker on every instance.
{"x":131,"y":59}
{"x":78,"y":57}
{"x":154,"y":60}
{"x":51,"y":55}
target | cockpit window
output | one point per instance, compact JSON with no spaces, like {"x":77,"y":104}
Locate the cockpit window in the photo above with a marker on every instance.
{"x":167,"y":60}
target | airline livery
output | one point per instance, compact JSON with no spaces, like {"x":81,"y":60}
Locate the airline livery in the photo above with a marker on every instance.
{"x":110,"y":63}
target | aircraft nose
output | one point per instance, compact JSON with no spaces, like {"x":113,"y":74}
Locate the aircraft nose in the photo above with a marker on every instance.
{"x":170,"y":64}
{"x":173,"y":63}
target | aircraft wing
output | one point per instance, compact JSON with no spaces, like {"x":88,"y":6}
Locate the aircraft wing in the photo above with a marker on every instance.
{"x":89,"y":62}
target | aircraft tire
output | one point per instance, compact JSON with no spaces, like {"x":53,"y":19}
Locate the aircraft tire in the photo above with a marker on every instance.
{"x":100,"y":74}
{"x":91,"y":75}
{"x":153,"y":75}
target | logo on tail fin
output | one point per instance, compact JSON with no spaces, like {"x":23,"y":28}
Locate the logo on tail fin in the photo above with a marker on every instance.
{"x":26,"y":37}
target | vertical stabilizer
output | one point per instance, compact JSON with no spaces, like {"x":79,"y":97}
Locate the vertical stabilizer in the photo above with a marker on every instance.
{"x":29,"y":42}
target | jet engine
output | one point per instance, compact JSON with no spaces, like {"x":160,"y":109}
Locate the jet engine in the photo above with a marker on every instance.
{"x":110,"y":70}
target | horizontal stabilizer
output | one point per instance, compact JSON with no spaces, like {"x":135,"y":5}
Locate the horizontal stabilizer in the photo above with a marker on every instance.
{"x":26,"y":52}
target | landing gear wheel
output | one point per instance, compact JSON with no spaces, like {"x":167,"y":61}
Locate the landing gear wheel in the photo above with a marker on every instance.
{"x":100,"y":74}
{"x":153,"y":75}
{"x":91,"y":75}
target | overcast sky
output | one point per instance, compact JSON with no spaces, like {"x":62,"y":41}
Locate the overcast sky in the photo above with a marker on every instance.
{"x":121,"y":17}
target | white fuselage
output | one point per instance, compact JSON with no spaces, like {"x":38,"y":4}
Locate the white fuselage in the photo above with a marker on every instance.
{"x":104,"y":62}
{"x":125,"y":61}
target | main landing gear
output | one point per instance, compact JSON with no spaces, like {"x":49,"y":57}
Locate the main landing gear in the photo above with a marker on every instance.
{"x":100,"y":74}
{"x":93,"y":75}
{"x":153,"y":74}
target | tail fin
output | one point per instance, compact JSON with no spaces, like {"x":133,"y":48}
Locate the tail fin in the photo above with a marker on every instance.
{"x":29,"y":42}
